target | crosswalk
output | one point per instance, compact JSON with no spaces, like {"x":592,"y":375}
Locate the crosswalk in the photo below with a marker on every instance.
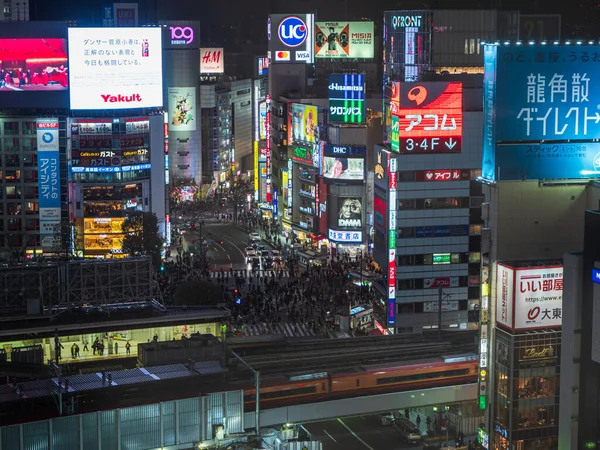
{"x":290,"y":330}
{"x":255,"y":273}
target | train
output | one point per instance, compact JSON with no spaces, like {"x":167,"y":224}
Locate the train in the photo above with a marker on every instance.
{"x":320,"y":386}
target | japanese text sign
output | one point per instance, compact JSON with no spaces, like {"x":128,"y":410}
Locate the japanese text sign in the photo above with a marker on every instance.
{"x":115,"y":68}
{"x":430,"y":117}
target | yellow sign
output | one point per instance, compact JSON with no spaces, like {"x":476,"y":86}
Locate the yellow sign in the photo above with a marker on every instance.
{"x":256,"y":152}
{"x":483,"y":372}
{"x":533,"y":353}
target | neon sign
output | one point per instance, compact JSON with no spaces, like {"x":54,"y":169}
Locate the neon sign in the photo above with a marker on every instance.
{"x":429,"y":117}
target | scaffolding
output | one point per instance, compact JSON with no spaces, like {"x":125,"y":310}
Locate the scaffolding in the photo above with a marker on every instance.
{"x":48,"y":288}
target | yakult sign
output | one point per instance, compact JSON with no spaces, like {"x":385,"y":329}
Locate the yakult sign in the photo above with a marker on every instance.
{"x":115,"y":68}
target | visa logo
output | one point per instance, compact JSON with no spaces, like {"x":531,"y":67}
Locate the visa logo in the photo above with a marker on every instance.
{"x":303,"y":56}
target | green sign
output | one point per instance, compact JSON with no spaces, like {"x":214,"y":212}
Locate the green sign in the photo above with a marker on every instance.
{"x":482,"y":402}
{"x":395,"y":134}
{"x":302,"y":154}
{"x":441,"y":258}
{"x":392,"y":239}
{"x":347,"y":111}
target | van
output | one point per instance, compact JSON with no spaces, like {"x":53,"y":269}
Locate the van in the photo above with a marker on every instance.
{"x":387,"y":419}
{"x":408,"y":431}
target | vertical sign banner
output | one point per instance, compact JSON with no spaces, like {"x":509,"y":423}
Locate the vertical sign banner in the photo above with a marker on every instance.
{"x":430,"y":117}
{"x":182,"y":108}
{"x":291,"y":38}
{"x":48,"y":180}
{"x":256,"y":154}
{"x":211,"y":60}
{"x":504,"y":295}
{"x":344,"y":40}
{"x":546,"y":118}
{"x":268,"y":149}
{"x":393,"y":184}
{"x":347,"y":98}
{"x":488,"y":166}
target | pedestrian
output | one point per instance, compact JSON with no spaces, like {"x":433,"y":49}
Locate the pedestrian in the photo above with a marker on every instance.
{"x":428,"y":422}
{"x":418,"y":421}
{"x":85,"y":346}
{"x":116,"y":348}
{"x":127,"y":348}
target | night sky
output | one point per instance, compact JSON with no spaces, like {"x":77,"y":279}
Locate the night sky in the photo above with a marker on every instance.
{"x":238,"y":22}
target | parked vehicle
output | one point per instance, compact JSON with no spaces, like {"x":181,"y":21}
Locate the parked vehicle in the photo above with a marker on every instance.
{"x":408,"y":431}
{"x":387,"y":419}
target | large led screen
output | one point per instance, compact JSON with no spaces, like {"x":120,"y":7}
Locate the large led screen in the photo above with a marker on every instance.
{"x":541,"y":113}
{"x":343,"y":164}
{"x":33,"y":65}
{"x":344,"y":40}
{"x":115,"y":68}
{"x":182,"y":108}
{"x":349,"y":212}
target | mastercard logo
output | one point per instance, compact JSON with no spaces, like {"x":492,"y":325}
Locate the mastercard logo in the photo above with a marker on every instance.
{"x":282,"y":56}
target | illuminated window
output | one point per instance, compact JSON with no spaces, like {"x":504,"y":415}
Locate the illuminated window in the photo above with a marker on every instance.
{"x":475,"y":230}
{"x":474,"y":257}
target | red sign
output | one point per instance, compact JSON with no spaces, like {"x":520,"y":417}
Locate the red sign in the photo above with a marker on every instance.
{"x":444,"y":175}
{"x":430,"y":116}
{"x":393,"y":180}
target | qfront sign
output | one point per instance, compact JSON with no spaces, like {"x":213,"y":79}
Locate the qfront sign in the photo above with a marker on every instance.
{"x":291,"y":38}
{"x":115,"y":68}
{"x":542,"y":120}
{"x":406,"y":21}
{"x":429,"y":117}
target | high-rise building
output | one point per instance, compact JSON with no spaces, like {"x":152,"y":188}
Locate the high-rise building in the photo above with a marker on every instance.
{"x":14,"y":11}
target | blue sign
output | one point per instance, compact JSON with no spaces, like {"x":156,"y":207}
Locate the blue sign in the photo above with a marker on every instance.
{"x":546,"y":96}
{"x":548,"y":161}
{"x":346,"y":86}
{"x":442,"y":231}
{"x":111,"y":169}
{"x":292,"y":31}
{"x":49,"y":179}
{"x":275,"y":204}
{"x":596,"y":276}
{"x":489,"y":100}
{"x":344,"y":150}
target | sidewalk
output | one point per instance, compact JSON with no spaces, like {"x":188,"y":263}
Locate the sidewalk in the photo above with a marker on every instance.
{"x":430,"y":437}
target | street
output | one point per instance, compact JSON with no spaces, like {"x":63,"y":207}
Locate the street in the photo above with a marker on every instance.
{"x":357,"y":433}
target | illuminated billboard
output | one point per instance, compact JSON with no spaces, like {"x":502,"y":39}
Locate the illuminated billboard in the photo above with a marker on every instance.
{"x":343,"y":163}
{"x":212,"y":60}
{"x":182,"y":108}
{"x":33,"y":65}
{"x":291,"y":38}
{"x":429,"y":117}
{"x":346,"y":98}
{"x":48,"y":180}
{"x":263,"y":66}
{"x":349,"y":212}
{"x":344,"y":40}
{"x":181,"y":34}
{"x":110,"y":145}
{"x":304,"y":123}
{"x":305,"y":154}
{"x":115,"y":68}
{"x":541,"y":118}
{"x":262,"y":120}
{"x":530,"y":297}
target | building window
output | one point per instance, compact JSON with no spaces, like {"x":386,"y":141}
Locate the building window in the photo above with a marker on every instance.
{"x":29,"y":128}
{"x":11,"y":128}
{"x":475,"y":230}
{"x":432,"y":259}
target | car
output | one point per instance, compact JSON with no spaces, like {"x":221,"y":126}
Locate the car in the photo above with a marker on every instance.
{"x":254,"y":237}
{"x":408,"y":431}
{"x":254,"y":262}
{"x":387,"y":419}
{"x":265,"y":253}
{"x":250,"y":252}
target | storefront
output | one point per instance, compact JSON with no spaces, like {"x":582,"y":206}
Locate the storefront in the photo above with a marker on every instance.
{"x":527,"y":372}
{"x":309,"y":258}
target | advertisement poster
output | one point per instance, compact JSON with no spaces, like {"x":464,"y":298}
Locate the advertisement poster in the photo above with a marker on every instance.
{"x":344,"y":40}
{"x":350,"y":212}
{"x":262,"y":120}
{"x":48,"y":180}
{"x":538,"y":298}
{"x":115,"y":68}
{"x":182,"y":109}
{"x":347,"y":98}
{"x":33,"y":65}
{"x":304,"y":123}
{"x":211,"y":60}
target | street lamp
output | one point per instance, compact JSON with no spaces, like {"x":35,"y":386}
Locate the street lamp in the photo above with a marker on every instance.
{"x":447,"y":408}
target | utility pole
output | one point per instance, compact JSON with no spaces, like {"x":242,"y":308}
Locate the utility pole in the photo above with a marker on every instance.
{"x":257,"y":389}
{"x":441,"y":298}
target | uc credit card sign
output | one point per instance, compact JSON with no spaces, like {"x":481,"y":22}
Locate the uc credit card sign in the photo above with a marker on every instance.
{"x":545,"y":112}
{"x":291,"y":38}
